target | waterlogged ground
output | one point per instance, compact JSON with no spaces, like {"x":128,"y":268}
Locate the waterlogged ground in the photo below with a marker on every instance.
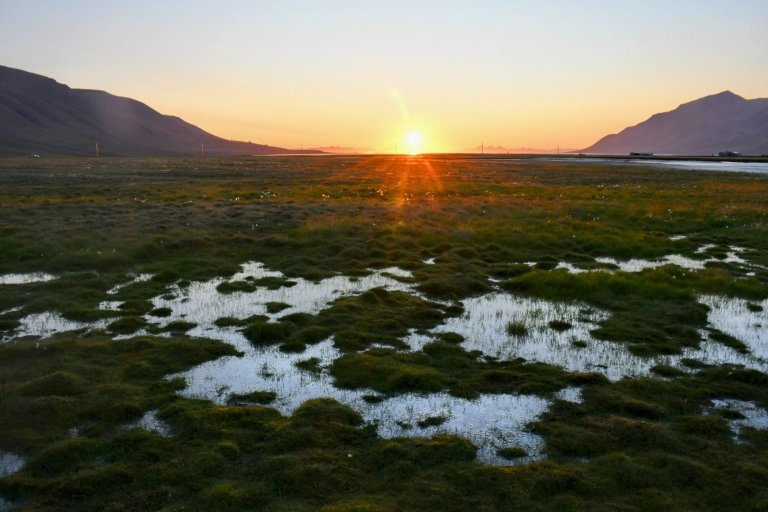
{"x":381,"y":334}
{"x":10,"y":463}
{"x":558,"y":334}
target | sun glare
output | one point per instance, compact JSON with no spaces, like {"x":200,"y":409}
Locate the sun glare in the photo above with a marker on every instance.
{"x":413,"y":141}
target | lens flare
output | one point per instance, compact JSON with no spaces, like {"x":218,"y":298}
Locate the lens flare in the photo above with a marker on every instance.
{"x":413,"y":141}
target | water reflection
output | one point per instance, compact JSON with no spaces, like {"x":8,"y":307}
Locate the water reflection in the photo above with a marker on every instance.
{"x":10,"y":463}
{"x":34,"y":277}
{"x":559,"y":334}
{"x":490,"y":422}
{"x":736,"y":318}
{"x":754,"y":416}
{"x":554,"y":333}
{"x":203,"y":304}
{"x":733,"y":255}
{"x":45,"y":325}
{"x":638,"y":265}
{"x":151,"y":423}
{"x":141,"y":278}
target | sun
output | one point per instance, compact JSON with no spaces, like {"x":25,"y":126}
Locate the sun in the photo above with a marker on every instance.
{"x":413,"y":141}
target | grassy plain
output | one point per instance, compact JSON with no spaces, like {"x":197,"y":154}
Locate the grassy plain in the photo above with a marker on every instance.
{"x":637,"y":444}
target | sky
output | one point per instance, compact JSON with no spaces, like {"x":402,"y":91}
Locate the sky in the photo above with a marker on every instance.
{"x":365,"y":74}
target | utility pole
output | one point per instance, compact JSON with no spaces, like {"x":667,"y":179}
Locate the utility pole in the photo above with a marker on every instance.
{"x":482,"y":148}
{"x":97,"y":150}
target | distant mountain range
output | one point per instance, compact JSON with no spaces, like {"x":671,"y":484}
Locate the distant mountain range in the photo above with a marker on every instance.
{"x":41,"y":116}
{"x":342,"y":150}
{"x":722,"y":122}
{"x":518,"y":151}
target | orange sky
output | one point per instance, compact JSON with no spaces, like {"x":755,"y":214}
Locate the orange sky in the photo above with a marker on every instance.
{"x":362,"y":74}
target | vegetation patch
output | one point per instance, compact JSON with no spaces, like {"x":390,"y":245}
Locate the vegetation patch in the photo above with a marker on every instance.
{"x":276,"y":307}
{"x":160,"y":312}
{"x":261,"y":332}
{"x":310,"y":365}
{"x":512,"y":453}
{"x":127,"y":325}
{"x":443,"y":366}
{"x":431,"y":421}
{"x":255,"y":397}
{"x":236,"y":286}
{"x":517,"y":329}
{"x":560,"y":325}
{"x":179,"y":326}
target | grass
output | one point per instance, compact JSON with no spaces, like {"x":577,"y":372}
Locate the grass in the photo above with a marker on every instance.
{"x":511,"y":453}
{"x":517,"y":329}
{"x":375,"y":316}
{"x":560,"y":325}
{"x":444,"y":366}
{"x":255,"y":397}
{"x":431,"y":421}
{"x":637,"y":443}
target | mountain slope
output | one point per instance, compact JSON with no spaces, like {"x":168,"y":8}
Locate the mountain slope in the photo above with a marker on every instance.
{"x":705,"y":126}
{"x":40,"y":115}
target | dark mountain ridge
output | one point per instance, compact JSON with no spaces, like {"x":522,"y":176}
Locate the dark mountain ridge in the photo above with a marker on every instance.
{"x":721,"y":122}
{"x":39,"y":115}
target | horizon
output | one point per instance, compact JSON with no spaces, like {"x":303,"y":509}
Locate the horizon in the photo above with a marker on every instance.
{"x":368,"y":78}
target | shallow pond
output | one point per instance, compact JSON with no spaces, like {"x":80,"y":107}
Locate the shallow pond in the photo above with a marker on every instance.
{"x":734,"y":256}
{"x":753,"y":416}
{"x":34,"y":277}
{"x":10,"y":463}
{"x":744,"y":320}
{"x":696,"y":165}
{"x":497,"y":324}
{"x":151,"y":423}
{"x":559,"y":334}
{"x":687,"y":165}
{"x":45,"y":325}
{"x":140,"y":278}
{"x":201,"y":302}
{"x":490,"y":422}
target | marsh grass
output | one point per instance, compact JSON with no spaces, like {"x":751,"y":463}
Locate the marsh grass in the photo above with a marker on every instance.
{"x":256,"y":397}
{"x":517,"y":329}
{"x":654,"y":311}
{"x":560,"y":325}
{"x":512,"y":453}
{"x":431,"y":421}
{"x":637,"y":443}
{"x":444,"y":366}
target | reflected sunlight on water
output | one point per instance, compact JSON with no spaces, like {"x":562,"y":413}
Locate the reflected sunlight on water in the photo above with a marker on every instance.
{"x":555,"y":333}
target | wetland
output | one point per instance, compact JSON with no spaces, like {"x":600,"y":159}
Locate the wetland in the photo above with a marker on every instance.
{"x":381,"y":333}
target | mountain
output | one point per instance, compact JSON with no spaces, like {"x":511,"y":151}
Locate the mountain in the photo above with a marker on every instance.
{"x":342,"y":150}
{"x":721,"y":122}
{"x":521,"y":151}
{"x":40,"y":115}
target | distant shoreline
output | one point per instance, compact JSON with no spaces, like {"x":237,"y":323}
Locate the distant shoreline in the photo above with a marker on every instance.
{"x":565,"y":157}
{"x":553,"y":156}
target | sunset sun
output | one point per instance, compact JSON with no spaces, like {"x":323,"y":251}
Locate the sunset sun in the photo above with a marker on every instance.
{"x":413,"y":141}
